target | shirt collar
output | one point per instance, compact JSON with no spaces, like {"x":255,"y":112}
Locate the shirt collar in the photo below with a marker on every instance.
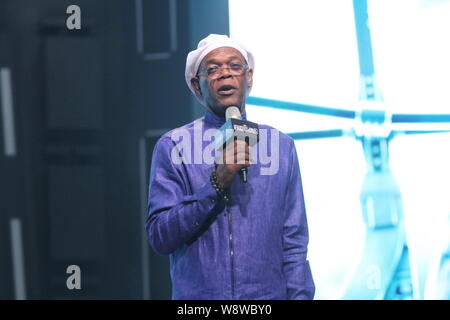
{"x":216,"y":121}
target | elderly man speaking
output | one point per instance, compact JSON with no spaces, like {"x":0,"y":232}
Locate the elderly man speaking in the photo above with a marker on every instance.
{"x":228,"y":239}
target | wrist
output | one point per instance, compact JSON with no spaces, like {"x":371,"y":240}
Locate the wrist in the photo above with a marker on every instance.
{"x":224,"y":176}
{"x":218,"y":186}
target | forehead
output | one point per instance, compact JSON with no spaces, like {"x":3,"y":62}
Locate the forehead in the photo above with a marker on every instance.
{"x":222,"y":54}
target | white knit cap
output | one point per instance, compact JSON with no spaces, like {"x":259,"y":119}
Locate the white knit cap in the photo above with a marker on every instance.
{"x":205,"y":46}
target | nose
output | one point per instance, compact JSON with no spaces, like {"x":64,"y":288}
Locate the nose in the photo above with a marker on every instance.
{"x":225,"y":75}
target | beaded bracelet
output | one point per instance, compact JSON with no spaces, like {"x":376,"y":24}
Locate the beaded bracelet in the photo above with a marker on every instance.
{"x":220,"y":191}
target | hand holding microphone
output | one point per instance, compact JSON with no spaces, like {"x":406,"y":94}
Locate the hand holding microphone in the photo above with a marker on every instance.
{"x":236,"y":138}
{"x":236,"y":156}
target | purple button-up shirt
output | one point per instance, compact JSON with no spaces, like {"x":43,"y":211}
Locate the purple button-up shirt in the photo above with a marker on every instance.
{"x":253,"y":247}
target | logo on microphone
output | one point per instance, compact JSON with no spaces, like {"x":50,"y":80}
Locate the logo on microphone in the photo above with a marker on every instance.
{"x":245,"y":129}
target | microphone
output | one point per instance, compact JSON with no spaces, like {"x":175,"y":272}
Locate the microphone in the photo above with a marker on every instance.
{"x":233,"y":112}
{"x":236,"y":128}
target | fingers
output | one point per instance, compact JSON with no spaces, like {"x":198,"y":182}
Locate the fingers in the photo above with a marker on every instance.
{"x":238,"y":158}
{"x":238,"y":153}
{"x":239,"y":147}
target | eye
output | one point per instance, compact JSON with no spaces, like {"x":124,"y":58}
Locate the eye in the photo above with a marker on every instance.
{"x":236,"y":66}
{"x":212,"y":70}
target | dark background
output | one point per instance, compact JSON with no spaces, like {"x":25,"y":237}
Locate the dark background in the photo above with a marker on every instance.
{"x":88,"y":107}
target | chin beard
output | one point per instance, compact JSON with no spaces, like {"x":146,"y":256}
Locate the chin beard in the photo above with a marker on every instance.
{"x":219,"y":108}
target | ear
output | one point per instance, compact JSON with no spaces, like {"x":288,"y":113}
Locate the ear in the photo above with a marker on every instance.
{"x":196,"y":85}
{"x":250,"y":78}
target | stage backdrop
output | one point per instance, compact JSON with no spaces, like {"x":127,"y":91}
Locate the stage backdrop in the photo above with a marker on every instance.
{"x":376,"y":181}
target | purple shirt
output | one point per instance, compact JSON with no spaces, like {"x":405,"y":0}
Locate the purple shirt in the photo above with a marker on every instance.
{"x":253,"y":247}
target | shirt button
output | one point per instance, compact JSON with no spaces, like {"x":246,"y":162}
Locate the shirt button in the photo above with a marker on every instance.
{"x":196,"y":224}
{"x":213,"y":201}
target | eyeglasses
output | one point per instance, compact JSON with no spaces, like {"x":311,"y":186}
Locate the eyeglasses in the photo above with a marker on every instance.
{"x":235,"y":69}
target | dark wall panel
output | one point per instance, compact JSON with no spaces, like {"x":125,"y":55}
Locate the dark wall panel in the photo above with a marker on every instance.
{"x":12,"y":191}
{"x":6,"y":281}
{"x":73,"y":83}
{"x":155,"y":17}
{"x":77,"y":213}
{"x":84,"y":102}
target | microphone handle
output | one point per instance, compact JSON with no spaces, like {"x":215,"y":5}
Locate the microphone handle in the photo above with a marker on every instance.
{"x":243,"y":174}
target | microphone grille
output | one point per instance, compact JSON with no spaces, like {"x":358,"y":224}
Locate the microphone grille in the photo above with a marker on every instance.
{"x":232,"y":113}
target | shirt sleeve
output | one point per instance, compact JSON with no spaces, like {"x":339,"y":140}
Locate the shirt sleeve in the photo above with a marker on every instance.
{"x":175,"y":217}
{"x":300,"y":284}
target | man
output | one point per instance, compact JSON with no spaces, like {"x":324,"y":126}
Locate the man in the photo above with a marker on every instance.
{"x":228,"y":239}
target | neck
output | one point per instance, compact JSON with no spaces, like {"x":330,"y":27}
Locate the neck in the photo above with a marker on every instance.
{"x":222,"y":111}
{"x":215,"y":120}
